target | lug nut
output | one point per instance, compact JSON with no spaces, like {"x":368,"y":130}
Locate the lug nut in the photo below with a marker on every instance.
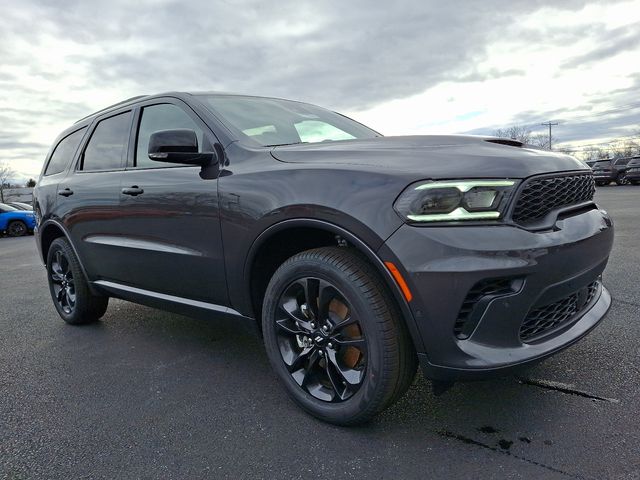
{"x":313,"y":324}
{"x":330,"y":345}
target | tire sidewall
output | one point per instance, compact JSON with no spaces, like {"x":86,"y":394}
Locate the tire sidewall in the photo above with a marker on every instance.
{"x":371,"y":387}
{"x":62,"y":245}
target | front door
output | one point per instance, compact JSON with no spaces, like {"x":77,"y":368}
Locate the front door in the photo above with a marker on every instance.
{"x":170,"y":217}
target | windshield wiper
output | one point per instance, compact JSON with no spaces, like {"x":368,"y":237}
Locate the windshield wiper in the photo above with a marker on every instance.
{"x":284,"y":144}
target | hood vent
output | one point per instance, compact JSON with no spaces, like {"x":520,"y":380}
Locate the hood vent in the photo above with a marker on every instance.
{"x":505,"y":141}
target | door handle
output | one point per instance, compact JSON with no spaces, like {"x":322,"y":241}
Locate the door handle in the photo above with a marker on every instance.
{"x":66,"y":192}
{"x":133,"y":191}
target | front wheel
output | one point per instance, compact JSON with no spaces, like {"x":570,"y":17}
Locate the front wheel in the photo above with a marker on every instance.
{"x":16,"y":229}
{"x":622,"y":179}
{"x":69,"y":289}
{"x":334,"y":336}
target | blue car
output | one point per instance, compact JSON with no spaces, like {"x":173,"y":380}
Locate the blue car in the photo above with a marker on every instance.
{"x":14,"y":222}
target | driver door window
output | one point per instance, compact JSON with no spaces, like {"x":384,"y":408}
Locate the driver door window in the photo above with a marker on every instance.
{"x":165,"y":116}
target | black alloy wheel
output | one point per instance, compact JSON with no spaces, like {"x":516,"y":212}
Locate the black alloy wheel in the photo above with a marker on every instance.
{"x":69,"y":288}
{"x":622,"y":179}
{"x":320,"y":340}
{"x":335,"y":337}
{"x":17,"y":229}
{"x":63,"y":285}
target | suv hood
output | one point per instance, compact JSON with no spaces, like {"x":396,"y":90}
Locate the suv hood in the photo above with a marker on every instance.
{"x":434,"y":156}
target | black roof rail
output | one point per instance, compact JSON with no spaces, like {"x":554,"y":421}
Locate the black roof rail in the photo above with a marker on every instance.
{"x":137,"y":97}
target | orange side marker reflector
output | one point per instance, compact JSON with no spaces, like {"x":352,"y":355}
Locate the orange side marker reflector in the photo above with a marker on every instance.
{"x":399,"y":280}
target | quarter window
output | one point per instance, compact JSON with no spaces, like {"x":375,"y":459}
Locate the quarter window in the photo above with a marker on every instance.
{"x":154,"y":118}
{"x":108,"y":144}
{"x":64,"y":152}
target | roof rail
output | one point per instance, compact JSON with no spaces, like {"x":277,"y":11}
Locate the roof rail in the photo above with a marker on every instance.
{"x":113,"y":106}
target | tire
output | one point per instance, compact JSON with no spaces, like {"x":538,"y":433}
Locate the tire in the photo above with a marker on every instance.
{"x":601,"y":183}
{"x":365,"y":337}
{"x":69,"y":288}
{"x":16,"y":228}
{"x":634,"y":182}
{"x":621,"y":179}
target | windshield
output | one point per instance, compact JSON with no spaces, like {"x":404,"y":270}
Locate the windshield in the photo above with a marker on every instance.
{"x":269,"y":121}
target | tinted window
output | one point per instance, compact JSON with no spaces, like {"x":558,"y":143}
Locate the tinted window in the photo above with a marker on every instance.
{"x":161,"y":117}
{"x":64,"y":152}
{"x":108,"y":143}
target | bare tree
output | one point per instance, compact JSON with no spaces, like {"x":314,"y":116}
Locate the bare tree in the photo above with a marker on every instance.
{"x":5,"y":172}
{"x":594,"y":153}
{"x":516,"y":132}
{"x":624,"y":148}
{"x":541,"y":140}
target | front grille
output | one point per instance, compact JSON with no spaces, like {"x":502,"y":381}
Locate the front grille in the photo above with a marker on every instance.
{"x":484,"y":289}
{"x":540,"y":196}
{"x":543,"y":320}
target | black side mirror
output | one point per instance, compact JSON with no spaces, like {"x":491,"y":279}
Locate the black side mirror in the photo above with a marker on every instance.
{"x":178,"y":146}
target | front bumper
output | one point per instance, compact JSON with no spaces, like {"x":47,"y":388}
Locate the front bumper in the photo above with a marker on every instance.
{"x":441,"y":265}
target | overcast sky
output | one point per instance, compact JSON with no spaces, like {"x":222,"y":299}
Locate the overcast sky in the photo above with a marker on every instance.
{"x":403,"y":67}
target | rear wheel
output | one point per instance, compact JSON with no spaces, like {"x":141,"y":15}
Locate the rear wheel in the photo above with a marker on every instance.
{"x":69,"y":289}
{"x":621,"y":179}
{"x":601,"y":183}
{"x":16,"y":229}
{"x":635,"y":182}
{"x":334,"y":336}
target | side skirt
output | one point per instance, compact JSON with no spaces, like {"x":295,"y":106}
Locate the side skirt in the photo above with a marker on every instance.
{"x":171,"y":303}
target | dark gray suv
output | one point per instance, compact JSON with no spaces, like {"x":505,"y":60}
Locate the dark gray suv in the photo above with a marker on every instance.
{"x":359,"y":256}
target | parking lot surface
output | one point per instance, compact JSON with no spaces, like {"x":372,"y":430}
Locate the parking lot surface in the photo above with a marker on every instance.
{"x":148,"y":394}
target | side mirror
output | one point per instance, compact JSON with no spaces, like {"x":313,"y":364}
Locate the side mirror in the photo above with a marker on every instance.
{"x":178,"y":146}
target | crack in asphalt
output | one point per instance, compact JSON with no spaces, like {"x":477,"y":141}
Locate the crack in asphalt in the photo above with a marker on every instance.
{"x":471,"y":441}
{"x":564,"y":388}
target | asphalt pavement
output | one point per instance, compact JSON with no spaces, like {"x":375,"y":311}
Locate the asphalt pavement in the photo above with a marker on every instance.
{"x":148,"y":394}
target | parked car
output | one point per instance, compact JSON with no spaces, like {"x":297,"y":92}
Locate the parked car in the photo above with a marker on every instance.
{"x":20,"y":205}
{"x":14,"y":222}
{"x":357,"y":255}
{"x":610,"y":170}
{"x":632,"y":172}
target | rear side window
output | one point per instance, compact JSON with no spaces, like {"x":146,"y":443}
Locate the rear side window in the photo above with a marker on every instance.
{"x":154,"y":118}
{"x":64,"y":152}
{"x":108,"y":144}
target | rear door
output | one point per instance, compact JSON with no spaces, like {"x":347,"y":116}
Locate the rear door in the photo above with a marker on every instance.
{"x":170,"y":217}
{"x":89,"y":197}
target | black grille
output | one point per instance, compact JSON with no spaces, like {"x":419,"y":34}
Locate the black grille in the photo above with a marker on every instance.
{"x":485,"y":288}
{"x":540,"y":196}
{"x":543,"y":320}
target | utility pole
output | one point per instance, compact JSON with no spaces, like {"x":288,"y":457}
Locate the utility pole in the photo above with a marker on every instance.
{"x":549,"y":124}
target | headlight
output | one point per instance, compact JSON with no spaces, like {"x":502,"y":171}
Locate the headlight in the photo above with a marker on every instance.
{"x":454,"y":200}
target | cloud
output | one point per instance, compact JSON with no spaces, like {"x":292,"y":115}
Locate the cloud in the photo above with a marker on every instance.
{"x":61,"y":60}
{"x":610,"y":43}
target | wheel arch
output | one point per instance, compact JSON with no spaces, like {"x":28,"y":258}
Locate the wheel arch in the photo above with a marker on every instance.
{"x":51,"y":230}
{"x":255,"y":281}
